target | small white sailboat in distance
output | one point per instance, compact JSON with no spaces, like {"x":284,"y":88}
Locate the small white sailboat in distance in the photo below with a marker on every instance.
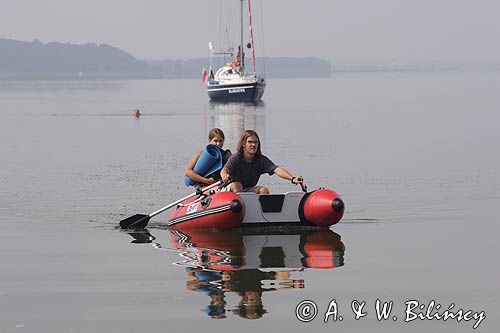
{"x":231,"y":83}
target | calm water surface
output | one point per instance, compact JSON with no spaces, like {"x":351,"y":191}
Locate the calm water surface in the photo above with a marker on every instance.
{"x":414,"y":156}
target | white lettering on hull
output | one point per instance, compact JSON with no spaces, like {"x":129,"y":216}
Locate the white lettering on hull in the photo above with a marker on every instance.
{"x":236,"y":90}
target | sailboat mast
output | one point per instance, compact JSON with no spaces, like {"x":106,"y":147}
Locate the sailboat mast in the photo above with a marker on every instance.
{"x":251,"y":35}
{"x":242,"y":65}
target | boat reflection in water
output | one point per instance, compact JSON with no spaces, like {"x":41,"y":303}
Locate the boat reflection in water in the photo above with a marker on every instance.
{"x":249,"y":262}
{"x":234,"y":118}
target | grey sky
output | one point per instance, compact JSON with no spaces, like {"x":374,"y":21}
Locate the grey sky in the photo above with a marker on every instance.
{"x":153,"y":29}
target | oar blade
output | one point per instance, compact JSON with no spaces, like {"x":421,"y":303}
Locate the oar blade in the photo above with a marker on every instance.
{"x":137,"y":221}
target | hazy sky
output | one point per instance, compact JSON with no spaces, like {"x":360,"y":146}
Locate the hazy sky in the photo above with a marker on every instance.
{"x":154,"y":29}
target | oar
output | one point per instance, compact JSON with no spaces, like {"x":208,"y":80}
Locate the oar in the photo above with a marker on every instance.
{"x":140,"y":221}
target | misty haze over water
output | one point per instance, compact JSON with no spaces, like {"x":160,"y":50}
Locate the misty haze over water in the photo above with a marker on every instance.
{"x":412,"y":155}
{"x":394,"y":105}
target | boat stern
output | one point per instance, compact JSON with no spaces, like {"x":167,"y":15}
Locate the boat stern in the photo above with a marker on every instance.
{"x":222,"y":210}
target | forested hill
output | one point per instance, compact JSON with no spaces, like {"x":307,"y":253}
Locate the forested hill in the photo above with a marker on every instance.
{"x":64,"y":60}
{"x":36,"y":60}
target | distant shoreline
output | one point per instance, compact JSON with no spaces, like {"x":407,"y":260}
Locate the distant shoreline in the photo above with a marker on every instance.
{"x":64,"y":61}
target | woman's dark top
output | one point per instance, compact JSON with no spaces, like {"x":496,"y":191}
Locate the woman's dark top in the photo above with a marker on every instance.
{"x":248,"y":173}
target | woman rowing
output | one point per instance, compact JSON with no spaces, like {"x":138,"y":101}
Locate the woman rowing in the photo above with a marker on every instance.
{"x":246,"y":166}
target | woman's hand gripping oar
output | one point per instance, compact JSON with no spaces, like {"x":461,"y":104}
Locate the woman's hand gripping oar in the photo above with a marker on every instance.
{"x":299,"y":181}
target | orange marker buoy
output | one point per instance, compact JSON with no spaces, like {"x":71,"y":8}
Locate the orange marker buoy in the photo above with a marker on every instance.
{"x":136,"y":113}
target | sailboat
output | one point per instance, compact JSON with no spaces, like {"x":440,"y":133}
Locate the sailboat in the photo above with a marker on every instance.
{"x":231,"y":82}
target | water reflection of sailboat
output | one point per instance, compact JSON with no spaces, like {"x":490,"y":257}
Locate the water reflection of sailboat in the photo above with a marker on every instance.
{"x":249,"y":263}
{"x":234,"y":118}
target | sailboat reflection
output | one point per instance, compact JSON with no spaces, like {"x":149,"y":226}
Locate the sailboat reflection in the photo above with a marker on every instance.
{"x":234,"y":118}
{"x":249,"y":262}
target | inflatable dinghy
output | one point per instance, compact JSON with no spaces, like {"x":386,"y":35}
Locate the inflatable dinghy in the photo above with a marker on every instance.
{"x":226,"y":210}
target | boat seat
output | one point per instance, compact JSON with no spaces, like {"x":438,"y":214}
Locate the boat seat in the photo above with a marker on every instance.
{"x":271,"y":203}
{"x":274,"y":208}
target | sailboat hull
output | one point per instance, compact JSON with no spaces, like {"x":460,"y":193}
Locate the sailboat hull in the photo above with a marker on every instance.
{"x":242,"y":92}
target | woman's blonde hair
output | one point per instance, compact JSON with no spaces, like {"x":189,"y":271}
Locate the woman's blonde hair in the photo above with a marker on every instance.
{"x":215,"y":131}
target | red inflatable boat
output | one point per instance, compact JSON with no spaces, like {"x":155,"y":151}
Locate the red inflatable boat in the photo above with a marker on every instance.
{"x":226,"y":210}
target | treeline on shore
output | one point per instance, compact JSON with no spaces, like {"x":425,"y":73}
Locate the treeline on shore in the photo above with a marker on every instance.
{"x":52,"y":61}
{"x":36,"y":60}
{"x":63,"y":60}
